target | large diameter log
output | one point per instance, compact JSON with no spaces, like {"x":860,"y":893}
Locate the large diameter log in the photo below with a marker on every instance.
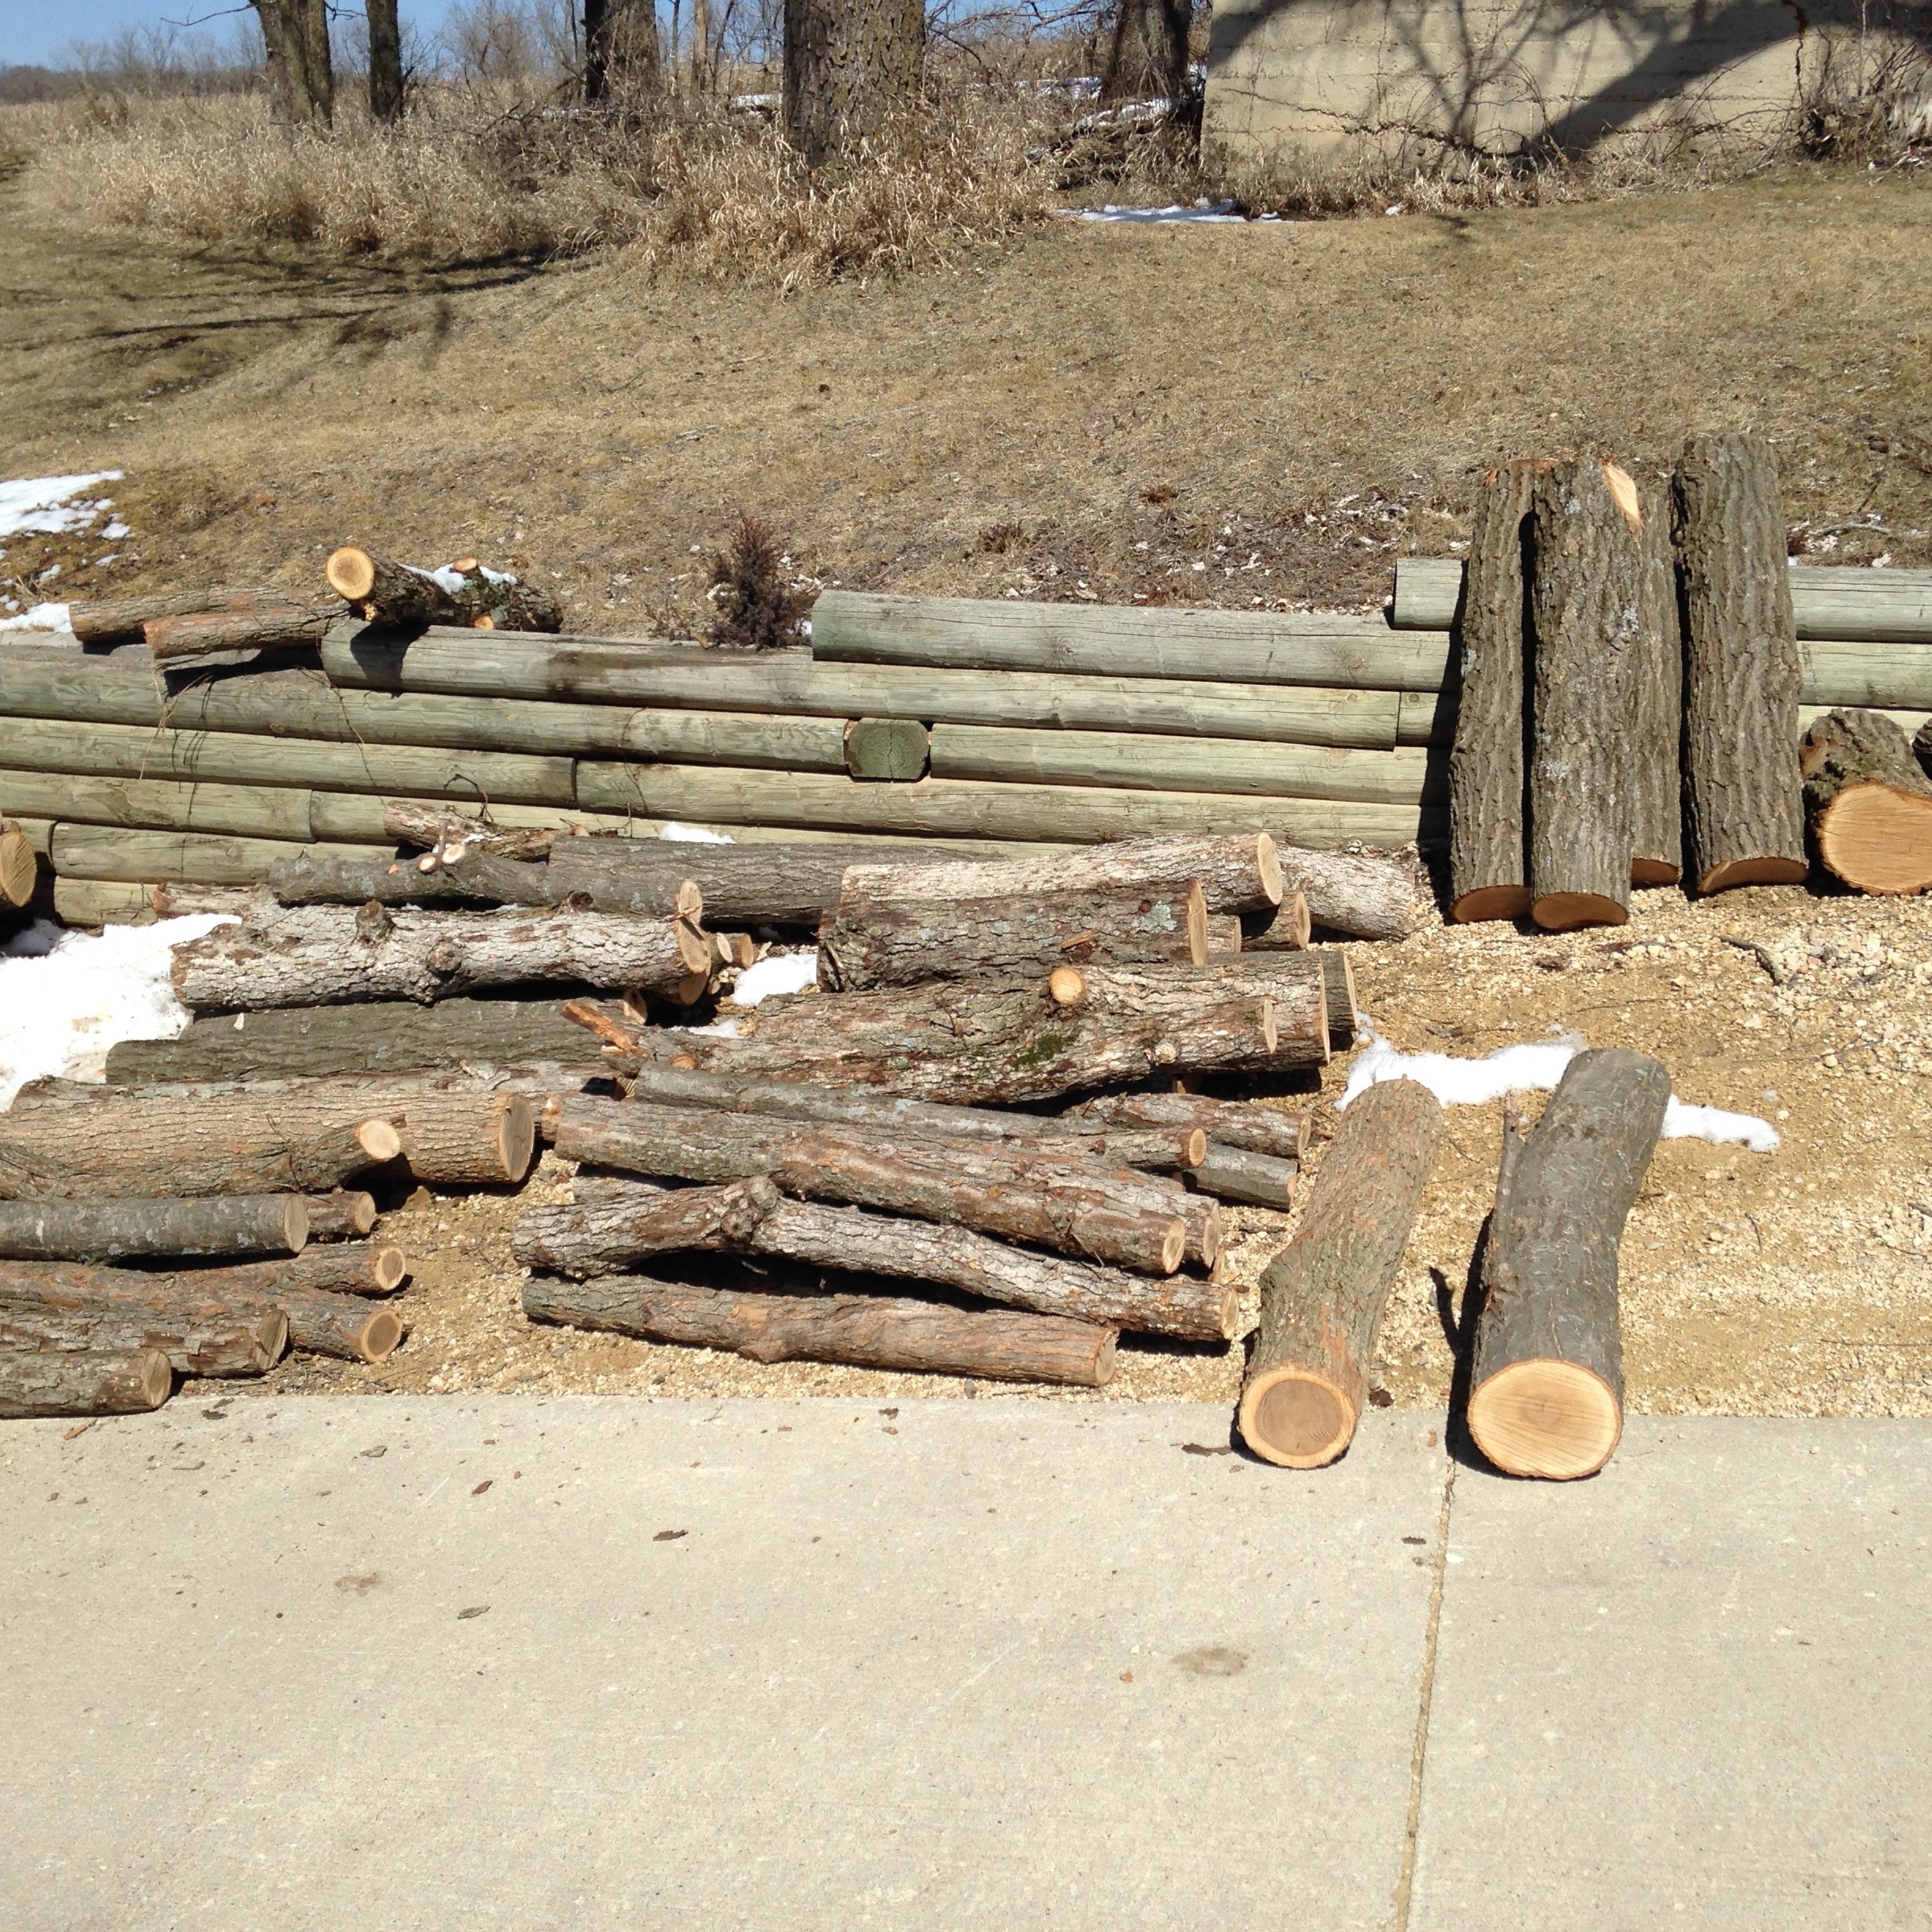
{"x":1236,"y":873}
{"x":347,"y":1214}
{"x":98,"y":852}
{"x":19,"y":865}
{"x":300,"y":1042}
{"x":886,"y":751}
{"x":307,"y":956}
{"x":266,"y":622}
{"x":323,"y":878}
{"x":1074,"y":1209}
{"x":467,"y":593}
{"x":873,"y":1332}
{"x":1743,"y":794}
{"x":1656,"y":727}
{"x":1546,"y":1377}
{"x":1488,"y":848}
{"x":130,"y":1383}
{"x":1248,"y":647}
{"x":1228,"y":1123}
{"x":1586,"y":603}
{"x":1867,"y":801}
{"x":218,"y":1347}
{"x":1363,"y":894}
{"x":111,"y":1230}
{"x":1323,"y":1296}
{"x":878,"y":942}
{"x":161,"y":804}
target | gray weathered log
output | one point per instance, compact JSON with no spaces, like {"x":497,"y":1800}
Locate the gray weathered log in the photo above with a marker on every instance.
{"x":82,"y":852}
{"x":1656,"y":727}
{"x":1227,"y":1123}
{"x":216,"y":1347}
{"x":112,"y":1230}
{"x":83,"y":1385}
{"x":347,"y":1214}
{"x":318,"y":877}
{"x":1239,"y":1174}
{"x":1867,"y":804}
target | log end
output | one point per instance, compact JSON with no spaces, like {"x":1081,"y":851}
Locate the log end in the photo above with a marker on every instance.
{"x":1292,"y":923}
{"x":1765,"y":871}
{"x":1564,"y":911}
{"x":295,"y":1224}
{"x":1654,"y":872}
{"x":386,"y":1267}
{"x":1490,"y":902}
{"x":155,"y":1379}
{"x":378,"y":1140}
{"x":694,"y":946}
{"x":1193,"y":1146}
{"x":691,"y":988}
{"x":516,"y":1137}
{"x":1296,"y":1419}
{"x":1546,"y":1417}
{"x":351,"y":573}
{"x":1878,"y":839}
{"x":379,"y":1337}
{"x":272,"y":1338}
{"x":1267,"y":862}
{"x":1196,"y":907}
{"x":1066,"y":986}
{"x":1173,"y":1246}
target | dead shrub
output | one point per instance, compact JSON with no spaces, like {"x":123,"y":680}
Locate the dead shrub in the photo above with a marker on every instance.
{"x":757,"y":608}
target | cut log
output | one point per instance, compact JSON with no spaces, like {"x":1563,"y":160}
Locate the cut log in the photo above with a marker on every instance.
{"x":895,"y":749}
{"x":84,"y":1385}
{"x":1362,"y":894}
{"x":266,"y":622}
{"x":111,"y":1230}
{"x":347,"y":1214}
{"x":1322,"y":1297}
{"x":1224,"y":931}
{"x":1743,"y":793}
{"x":161,"y":804}
{"x":320,"y":878}
{"x":872,"y":942}
{"x":1286,"y":929}
{"x":1488,"y":768}
{"x":352,"y":1267}
{"x":101,"y":902}
{"x":119,"y":620}
{"x":464,"y":1140}
{"x":872,"y":1332}
{"x":1226,"y":1123}
{"x":400,"y":593}
{"x":1546,"y":1377}
{"x":1585,"y":603}
{"x":1238,"y":873}
{"x":1868,"y":803}
{"x":1001,"y":1190}
{"x":1297,"y":983}
{"x":306,"y":955}
{"x":624,"y":1225}
{"x":1655,"y":726}
{"x":215,"y":1348}
{"x":1239,"y":1175}
{"x":19,"y":866}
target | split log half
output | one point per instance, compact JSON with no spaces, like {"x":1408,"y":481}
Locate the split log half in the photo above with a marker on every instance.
{"x":1546,"y":1379}
{"x":216,"y":1347}
{"x":35,"y":1384}
{"x":1869,"y":805}
{"x":1586,"y":604}
{"x":265,"y":622}
{"x":1323,"y":1296}
{"x":871,"y":942}
{"x":1657,"y":701}
{"x":1227,"y":1123}
{"x":466,"y":593}
{"x":1743,"y":792}
{"x":868,"y":1331}
{"x":19,"y":865}
{"x":895,"y":751}
{"x":347,"y":1214}
{"x":111,"y":1230}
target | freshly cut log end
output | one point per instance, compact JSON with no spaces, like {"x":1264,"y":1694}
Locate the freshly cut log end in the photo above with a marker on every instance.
{"x":1268,"y":867}
{"x":351,"y":573}
{"x":1869,"y":805}
{"x":51,"y":1384}
{"x":1548,"y":1418}
{"x":1651,"y":872}
{"x":112,"y":1228}
{"x":379,"y":1140}
{"x":1761,"y":871}
{"x":1564,"y":911}
{"x":379,"y":1336}
{"x":1296,"y":1419}
{"x":1066,"y":986}
{"x":19,"y":867}
{"x":1491,"y":902}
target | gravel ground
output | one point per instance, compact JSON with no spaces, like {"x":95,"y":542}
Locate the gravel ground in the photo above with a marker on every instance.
{"x":1793,"y":1284}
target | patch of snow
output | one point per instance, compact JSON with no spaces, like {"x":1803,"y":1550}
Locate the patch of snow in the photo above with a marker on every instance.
{"x":40,"y":506}
{"x":1684,"y":1122}
{"x":449,"y":582}
{"x":52,"y":620}
{"x":1207,"y":211}
{"x":693,"y":834}
{"x":718,"y":1029}
{"x":115,"y":531}
{"x":775,"y":976}
{"x":60,"y":1012}
{"x":491,"y":576}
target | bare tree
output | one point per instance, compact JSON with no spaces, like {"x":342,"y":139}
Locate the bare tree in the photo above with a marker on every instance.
{"x":1149,"y":56}
{"x":621,"y":50}
{"x":385,"y":61}
{"x":302,"y":80}
{"x":848,"y":65}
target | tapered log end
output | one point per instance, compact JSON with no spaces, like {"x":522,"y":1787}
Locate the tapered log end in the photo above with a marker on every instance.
{"x":1765,"y":871}
{"x":18,"y":866}
{"x":1065,"y":985}
{"x":1293,"y":922}
{"x":271,"y":1337}
{"x":1546,"y":1417}
{"x":380,"y":1336}
{"x":295,"y":1224}
{"x":379,"y":1140}
{"x":516,"y":1137}
{"x":351,"y":573}
{"x":1654,"y":872}
{"x":155,"y":1379}
{"x":1196,"y":923}
{"x":1878,"y":839}
{"x":1295,"y":1419}
{"x":694,"y":946}
{"x":1103,"y":1358}
{"x":1173,"y":1246}
{"x":1490,"y":902}
{"x":687,"y":901}
{"x":691,"y":988}
{"x":1211,"y":1234}
{"x":386,"y":1267}
{"x":1267,"y":862}
{"x":1565,"y":912}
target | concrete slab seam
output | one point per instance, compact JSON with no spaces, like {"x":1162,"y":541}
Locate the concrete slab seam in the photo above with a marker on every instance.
{"x":1405,"y":1882}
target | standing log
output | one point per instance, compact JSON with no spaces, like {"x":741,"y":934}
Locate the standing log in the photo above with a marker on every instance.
{"x":321,"y":878}
{"x":130,"y":1383}
{"x":1743,"y":792}
{"x":458,"y":593}
{"x":1239,"y":1174}
{"x":225,"y":1345}
{"x":1657,"y":701}
{"x":347,"y":1214}
{"x":265,"y":622}
{"x":1228,"y":1123}
{"x":108,"y":1231}
{"x":1322,"y":1297}
{"x":1073,"y":1208}
{"x":1585,"y":602}
{"x":896,"y":750}
{"x":1546,"y":1379}
{"x":1869,"y":806}
{"x":19,"y":866}
{"x":1488,"y":767}
{"x":306,"y":955}
{"x":868,"y":942}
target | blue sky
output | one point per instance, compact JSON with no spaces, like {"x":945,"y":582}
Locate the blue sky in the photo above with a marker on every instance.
{"x":39,"y":32}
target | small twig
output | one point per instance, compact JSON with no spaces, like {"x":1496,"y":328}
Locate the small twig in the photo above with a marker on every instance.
{"x":1762,"y":954}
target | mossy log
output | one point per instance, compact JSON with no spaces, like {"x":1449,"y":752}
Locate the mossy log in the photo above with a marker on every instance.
{"x":113,"y":1230}
{"x":1868,"y":804}
{"x":130,"y":1383}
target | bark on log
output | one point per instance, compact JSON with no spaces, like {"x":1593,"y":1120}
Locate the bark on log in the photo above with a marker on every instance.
{"x":1000,"y":1190}
{"x":412,"y":822}
{"x":1297,"y":983}
{"x":1546,"y":1379}
{"x":94,"y":852}
{"x":1239,"y":1175}
{"x":314,"y":877}
{"x":1489,"y":770}
{"x":84,"y":1385}
{"x":463,"y":1139}
{"x":347,"y":1214}
{"x":264,"y":623}
{"x":308,"y":956}
{"x":119,"y":620}
{"x":892,"y":750}
{"x":1585,"y":603}
{"x":1322,"y":1297}
{"x":625,"y":1225}
{"x":109,"y":1230}
{"x":1226,"y":1123}
{"x":1869,"y":806}
{"x":1364,"y":895}
{"x":1224,"y":928}
{"x":217,"y":1348}
{"x":484,"y":600}
{"x":19,"y":865}
{"x":879,"y":941}
{"x":1743,"y":793}
{"x":873,"y":1332}
{"x":351,"y":1267}
{"x":1657,"y":701}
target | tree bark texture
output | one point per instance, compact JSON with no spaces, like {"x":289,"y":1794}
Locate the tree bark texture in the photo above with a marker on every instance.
{"x":1657,"y":700}
{"x":869,"y":942}
{"x":385,"y":62}
{"x":1239,"y":1174}
{"x":346,"y":1267}
{"x":1546,"y":1378}
{"x":131,"y":1383}
{"x":850,"y":66}
{"x":400,"y":593}
{"x":1322,"y":1297}
{"x":113,"y":1230}
{"x":266,"y":623}
{"x":1362,"y":894}
{"x":411,"y":821}
{"x":465,"y":1139}
{"x":307,"y":956}
{"x":90,"y":852}
{"x":1488,"y":767}
{"x":622,"y":53}
{"x":1585,"y":604}
{"x":1228,"y":1123}
{"x":302,"y":83}
{"x":1744,"y":795}
{"x":346,"y":1214}
{"x":322,"y":878}
{"x":250,"y":811}
{"x":1868,"y":804}
{"x":1148,"y":59}
{"x":873,"y":1332}
{"x":217,"y":1347}
{"x":119,"y":620}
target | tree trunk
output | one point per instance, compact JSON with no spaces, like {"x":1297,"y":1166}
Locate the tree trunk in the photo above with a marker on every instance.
{"x":385,"y":59}
{"x":1322,"y":1297}
{"x":1742,"y":674}
{"x":320,"y":62}
{"x":1148,"y":59}
{"x":1869,"y":804}
{"x":266,"y":623}
{"x":870,"y":942}
{"x":321,"y":878}
{"x":622,"y":55}
{"x":873,"y":1332}
{"x":850,"y":65}
{"x":309,"y":955}
{"x":1239,"y":1175}
{"x":1656,"y":702}
{"x":112,"y":1230}
{"x":220,"y":1347}
{"x":1585,"y":601}
{"x":1075,"y":1209}
{"x":84,"y":1385}
{"x":1546,"y":1378}
{"x":892,"y":750}
{"x":19,"y":866}
{"x":1241,"y":1124}
{"x":1488,"y":854}
{"x":347,"y":1214}
{"x":464,"y":595}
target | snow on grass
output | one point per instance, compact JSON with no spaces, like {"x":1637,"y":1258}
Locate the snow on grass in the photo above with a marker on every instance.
{"x":1201,"y":211}
{"x":66,"y":998}
{"x":774,"y":976}
{"x":1536,"y":1069}
{"x":51,"y":623}
{"x":693,"y":835}
{"x":41,"y":506}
